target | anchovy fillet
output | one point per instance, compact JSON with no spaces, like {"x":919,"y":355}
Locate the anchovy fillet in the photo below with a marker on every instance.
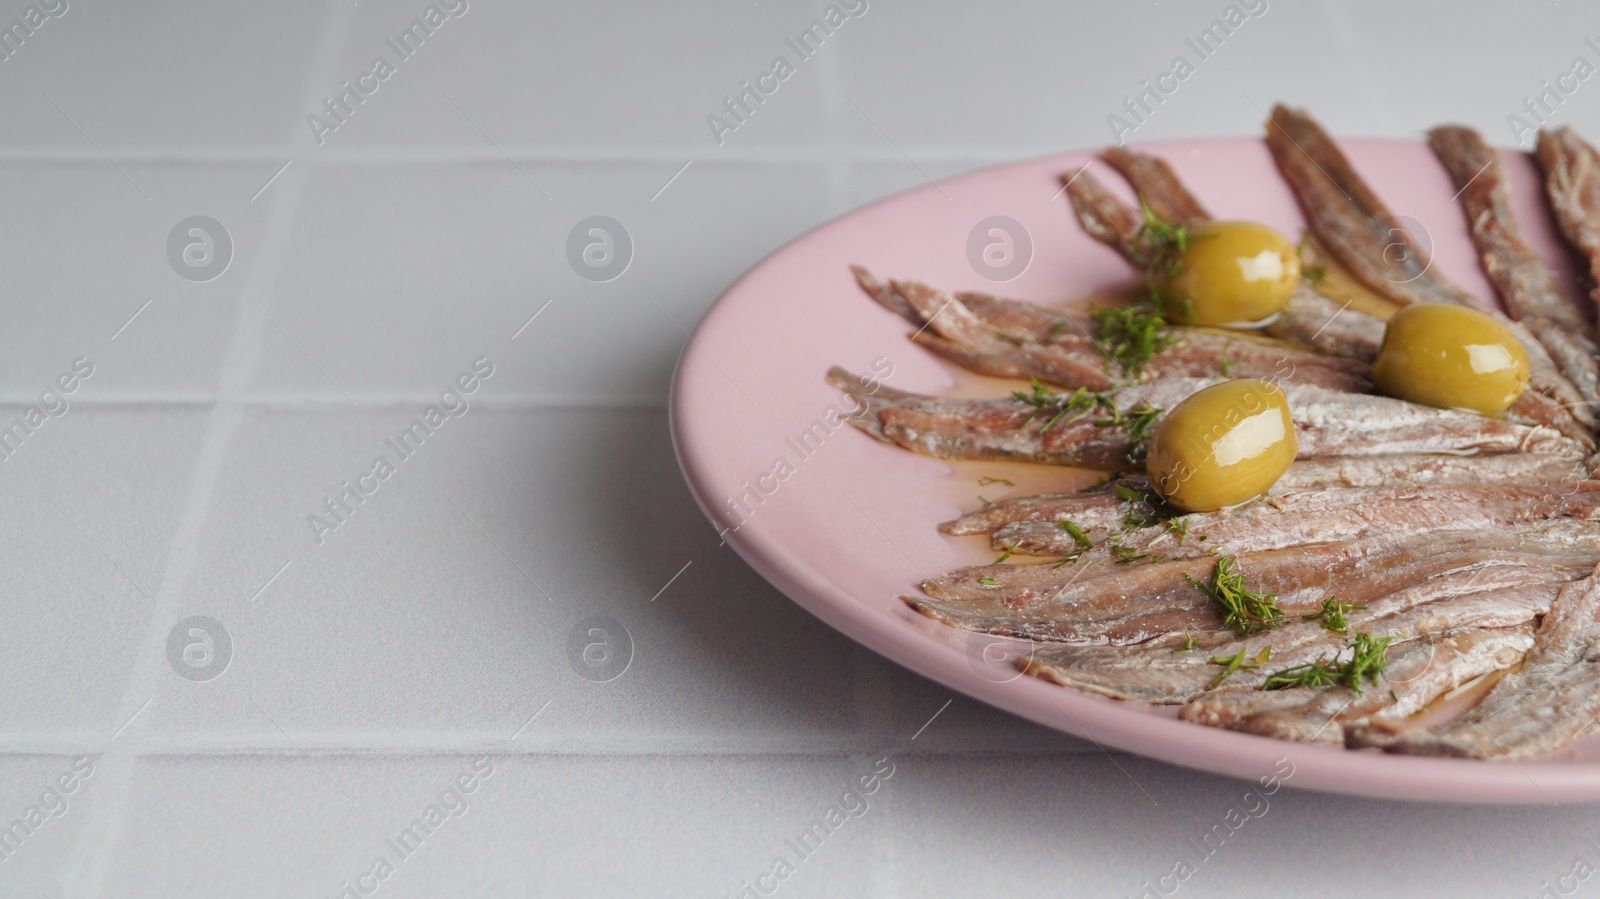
{"x":1572,"y":182}
{"x":1100,"y":601}
{"x":1357,"y":230}
{"x":1553,"y":699}
{"x":1524,"y":282}
{"x":1327,"y":423}
{"x":1511,"y":597}
{"x":1312,"y":516}
{"x":1013,"y":339}
{"x":1101,"y":507}
{"x":1415,"y":674}
{"x":1157,"y":184}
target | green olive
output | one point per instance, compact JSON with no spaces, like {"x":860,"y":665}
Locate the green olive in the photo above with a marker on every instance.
{"x":1223,"y":445}
{"x":1452,"y":357}
{"x":1231,"y":273}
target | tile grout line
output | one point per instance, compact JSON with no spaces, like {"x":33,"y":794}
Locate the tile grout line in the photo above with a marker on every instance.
{"x":597,"y":157}
{"x":328,"y":403}
{"x":411,"y":747}
{"x":101,"y":834}
{"x":838,"y":165}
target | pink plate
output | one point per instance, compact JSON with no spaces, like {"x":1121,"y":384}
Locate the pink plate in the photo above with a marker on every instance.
{"x":844,"y":525}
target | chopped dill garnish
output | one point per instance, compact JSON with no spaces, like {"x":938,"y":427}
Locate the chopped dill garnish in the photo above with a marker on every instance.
{"x":1243,"y":609}
{"x":1127,"y":554}
{"x":988,"y":582}
{"x":1190,"y":644}
{"x":1058,"y":327}
{"x":1367,"y":659}
{"x":1179,"y":526}
{"x":1159,"y":245}
{"x":1010,"y":338}
{"x":1043,"y":399}
{"x":1128,"y":493}
{"x":986,"y":481}
{"x":1144,"y":510}
{"x":1133,"y":522}
{"x":1311,"y":266}
{"x":1227,"y":361}
{"x":1137,"y":421}
{"x":1007,"y":554}
{"x":1332,"y":614}
{"x":1229,"y":664}
{"x":984,"y":500}
{"x":1159,"y":241}
{"x":1140,"y":419}
{"x":1131,"y":335}
{"x":1366,"y":662}
{"x":1078,"y":534}
{"x":1067,"y":560}
{"x":1312,"y":674}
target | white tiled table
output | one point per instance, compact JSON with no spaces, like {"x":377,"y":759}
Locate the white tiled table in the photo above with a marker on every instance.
{"x":371,"y":671}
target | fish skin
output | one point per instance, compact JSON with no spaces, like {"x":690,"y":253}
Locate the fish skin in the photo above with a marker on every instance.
{"x":1099,"y":508}
{"x":1327,"y":326}
{"x":1354,"y":226}
{"x":982,"y":429}
{"x":1433,"y":468}
{"x":1317,"y":516}
{"x":1571,"y":169}
{"x":1097,"y":601}
{"x":1161,"y":677}
{"x":1014,"y":339}
{"x":1103,"y":508}
{"x":1415,"y":674}
{"x":1106,"y":218}
{"x":1525,"y":284}
{"x":1327,"y":423}
{"x":1539,"y":709}
{"x":1154,"y":180}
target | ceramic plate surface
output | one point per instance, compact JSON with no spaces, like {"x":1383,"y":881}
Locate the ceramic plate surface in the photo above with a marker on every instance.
{"x":844,"y":525}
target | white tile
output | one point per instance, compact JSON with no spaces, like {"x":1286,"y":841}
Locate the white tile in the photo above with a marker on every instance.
{"x":1103,"y":825}
{"x":398,"y":276}
{"x":1456,"y":82}
{"x":410,"y":623}
{"x":907,"y":710}
{"x":45,"y":802}
{"x":530,"y":79}
{"x":92,"y":265}
{"x":1026,"y":80}
{"x":92,"y":501}
{"x":180,"y":76}
{"x":545,"y":825}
